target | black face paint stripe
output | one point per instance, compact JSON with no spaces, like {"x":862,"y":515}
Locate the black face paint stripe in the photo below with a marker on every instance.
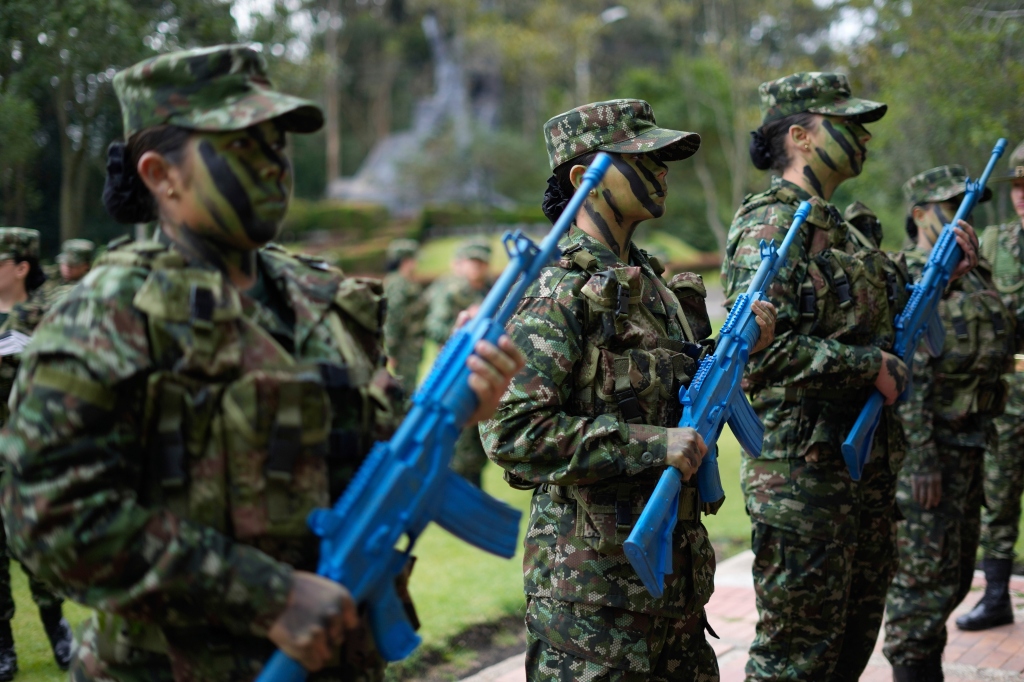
{"x":825,"y":158}
{"x":228,"y":185}
{"x":856,"y":138}
{"x":612,"y":205}
{"x":651,"y":177}
{"x":637,"y":186}
{"x":813,"y":179}
{"x":844,"y":143}
{"x":606,"y":232}
{"x":279,"y":160}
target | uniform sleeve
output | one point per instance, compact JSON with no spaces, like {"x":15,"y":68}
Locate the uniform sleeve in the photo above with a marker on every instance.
{"x":396,"y":322}
{"x":918,"y":419}
{"x":441,"y":314}
{"x":532,"y":436}
{"x":794,"y":359}
{"x":71,"y":497}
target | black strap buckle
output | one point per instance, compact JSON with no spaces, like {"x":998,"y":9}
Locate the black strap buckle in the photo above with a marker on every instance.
{"x":960,"y":327}
{"x":629,"y":406}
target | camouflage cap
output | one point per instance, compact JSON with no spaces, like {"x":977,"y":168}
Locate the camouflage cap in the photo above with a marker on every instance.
{"x":77,"y":252}
{"x":625,"y":126}
{"x":1016,"y":167}
{"x":477,"y":249}
{"x":400,"y":249}
{"x":218,"y":88}
{"x":857,"y":211}
{"x":817,"y":92}
{"x":939,"y":184}
{"x":18,"y":243}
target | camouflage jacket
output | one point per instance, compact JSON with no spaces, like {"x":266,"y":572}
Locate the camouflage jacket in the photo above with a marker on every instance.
{"x":955,"y":395}
{"x":147,"y":389}
{"x":24,"y":317}
{"x":836,"y":297}
{"x":1003,"y":247}
{"x":448,"y":297}
{"x":404,"y":324}
{"x":606,"y":352}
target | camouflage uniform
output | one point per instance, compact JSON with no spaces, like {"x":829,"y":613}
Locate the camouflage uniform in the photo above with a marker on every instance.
{"x":404,"y":329}
{"x":607,"y":346}
{"x":170,"y":434}
{"x":448,"y":297}
{"x":24,"y":316}
{"x":824,"y":544}
{"x":946,"y":421}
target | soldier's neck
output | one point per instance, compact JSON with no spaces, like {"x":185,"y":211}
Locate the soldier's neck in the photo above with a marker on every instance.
{"x":608,"y":226}
{"x":816,"y":181}
{"x":12,"y":297}
{"x":237,"y":265}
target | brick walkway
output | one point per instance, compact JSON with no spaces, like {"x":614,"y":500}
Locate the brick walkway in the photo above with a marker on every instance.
{"x":996,"y":654}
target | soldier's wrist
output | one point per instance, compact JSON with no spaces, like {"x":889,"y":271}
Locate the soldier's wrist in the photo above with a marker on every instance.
{"x":647,"y":447}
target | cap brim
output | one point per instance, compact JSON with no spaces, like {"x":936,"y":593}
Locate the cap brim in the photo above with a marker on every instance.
{"x":1005,"y":178}
{"x":961,"y":190}
{"x":671,"y":145}
{"x":861,"y":110}
{"x":296,"y":115}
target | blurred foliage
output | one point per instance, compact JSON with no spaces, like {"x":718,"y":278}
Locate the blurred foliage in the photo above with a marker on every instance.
{"x":461,"y":216}
{"x":352,"y":221}
{"x":948,"y":70}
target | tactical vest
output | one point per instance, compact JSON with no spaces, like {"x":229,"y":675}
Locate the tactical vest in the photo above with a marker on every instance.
{"x":632,"y":367}
{"x":850,"y":290}
{"x":977,"y":349}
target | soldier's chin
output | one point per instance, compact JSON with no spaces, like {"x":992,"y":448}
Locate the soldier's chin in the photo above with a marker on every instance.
{"x":263,"y":231}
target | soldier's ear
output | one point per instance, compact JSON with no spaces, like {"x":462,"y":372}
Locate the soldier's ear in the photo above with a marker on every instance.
{"x":576,"y":175}
{"x":918,"y":213}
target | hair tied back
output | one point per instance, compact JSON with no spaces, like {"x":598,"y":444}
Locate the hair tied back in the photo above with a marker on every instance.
{"x":125,"y":196}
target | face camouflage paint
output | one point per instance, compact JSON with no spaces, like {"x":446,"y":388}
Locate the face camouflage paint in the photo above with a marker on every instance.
{"x":243,"y":180}
{"x":842,"y":146}
{"x":641,"y":173}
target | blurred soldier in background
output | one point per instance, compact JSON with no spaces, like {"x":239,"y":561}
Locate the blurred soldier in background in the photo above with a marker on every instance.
{"x":946,"y":420}
{"x":22,"y":305}
{"x":75,"y":259}
{"x":464,"y":289}
{"x":404,"y":328}
{"x":1003,"y":246}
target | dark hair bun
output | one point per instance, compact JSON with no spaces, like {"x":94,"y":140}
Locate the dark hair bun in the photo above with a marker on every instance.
{"x":760,"y":150}
{"x":125,"y":196}
{"x":554,"y":200}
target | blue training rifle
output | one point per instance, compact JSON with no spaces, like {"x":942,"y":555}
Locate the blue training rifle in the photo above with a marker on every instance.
{"x":406,"y":483}
{"x":715,"y":396}
{"x":919,"y":318}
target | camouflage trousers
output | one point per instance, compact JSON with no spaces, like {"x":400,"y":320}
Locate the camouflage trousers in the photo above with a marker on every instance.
{"x":820,"y":591}
{"x":573,"y":641}
{"x":41,"y":594}
{"x":937,"y":550}
{"x":1004,"y":476}
{"x":469,"y":458}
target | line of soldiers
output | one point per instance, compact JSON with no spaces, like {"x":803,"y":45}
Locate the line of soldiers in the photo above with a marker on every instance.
{"x":179,"y":413}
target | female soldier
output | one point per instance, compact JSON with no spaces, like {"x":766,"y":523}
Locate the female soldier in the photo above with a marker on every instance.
{"x":824,"y":544}
{"x":170,"y":432}
{"x":946,"y":419}
{"x":589,"y":422}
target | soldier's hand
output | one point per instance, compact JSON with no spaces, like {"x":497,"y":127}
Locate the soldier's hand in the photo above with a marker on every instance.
{"x":892,"y":378}
{"x":968,"y":242}
{"x":927,"y":489}
{"x":686,"y":449}
{"x":493,"y":368}
{"x":465,"y":316}
{"x":764,"y":314}
{"x":313,"y":624}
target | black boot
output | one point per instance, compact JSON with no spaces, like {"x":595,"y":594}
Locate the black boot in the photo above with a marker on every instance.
{"x":933,"y":668}
{"x":59,"y":632}
{"x":909,"y":673}
{"x":8,"y":659}
{"x":995,"y":607}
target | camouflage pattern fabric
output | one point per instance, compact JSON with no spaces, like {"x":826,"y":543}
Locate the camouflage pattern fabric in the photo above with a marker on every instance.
{"x":864,"y":220}
{"x":400,"y":249}
{"x":939,"y":184}
{"x":937,"y":549}
{"x":218,"y":88}
{"x":817,"y":92}
{"x":1015,"y":166}
{"x":404,"y":327}
{"x":1003,"y":246}
{"x":77,"y":252}
{"x":818,"y":536}
{"x":19,"y":243}
{"x":128,"y":383}
{"x":620,"y":639}
{"x":625,"y":126}
{"x":586,"y":424}
{"x":448,"y":297}
{"x":947,"y":420}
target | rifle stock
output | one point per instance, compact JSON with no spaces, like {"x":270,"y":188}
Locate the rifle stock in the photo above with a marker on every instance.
{"x":406,"y":482}
{"x":713,"y":399}
{"x":919,"y":318}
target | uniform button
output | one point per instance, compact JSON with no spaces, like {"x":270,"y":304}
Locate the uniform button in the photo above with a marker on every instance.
{"x":647,"y":458}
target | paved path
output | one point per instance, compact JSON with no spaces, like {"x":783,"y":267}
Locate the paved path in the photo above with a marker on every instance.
{"x":996,"y":655}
